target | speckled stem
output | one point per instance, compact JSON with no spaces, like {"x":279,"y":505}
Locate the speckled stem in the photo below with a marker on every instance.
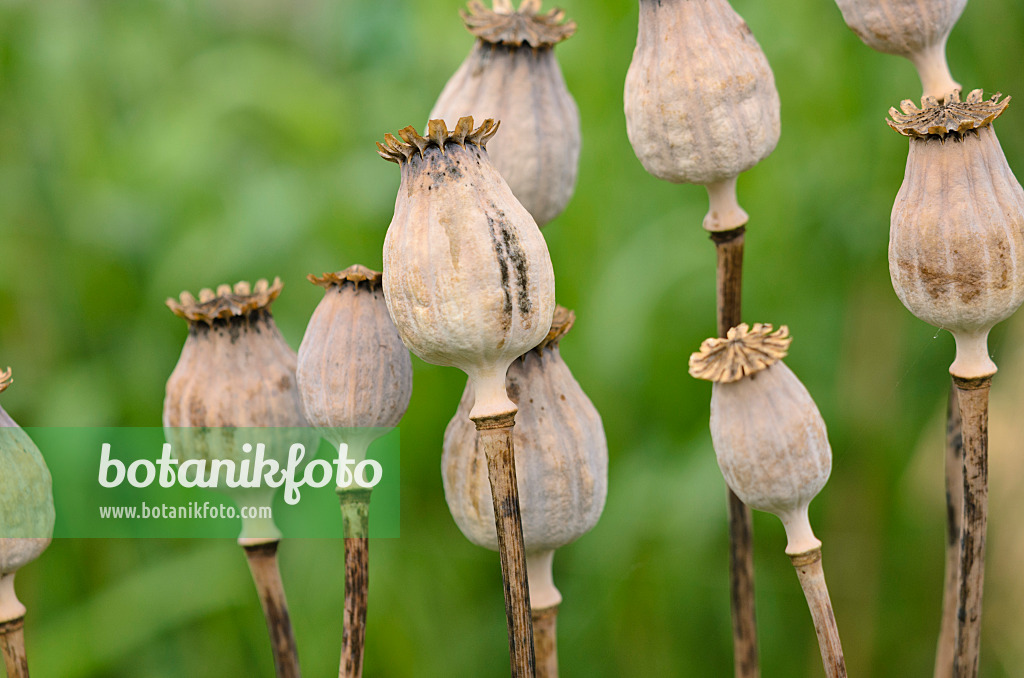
{"x":545,"y":637}
{"x":973,"y":397}
{"x":495,"y":434}
{"x":12,"y":644}
{"x":729,"y":247}
{"x":355,"y":510}
{"x":954,"y":510}
{"x":812,"y":580}
{"x":265,"y":573}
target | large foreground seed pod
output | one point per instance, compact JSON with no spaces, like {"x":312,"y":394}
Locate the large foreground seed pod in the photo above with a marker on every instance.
{"x":512,"y":75}
{"x":956,"y":243}
{"x":235,"y":370}
{"x":700,"y":100}
{"x":467,"y":274}
{"x":912,"y":29}
{"x":768,"y":435}
{"x":26,"y":506}
{"x":353,"y":370}
{"x":561,"y":461}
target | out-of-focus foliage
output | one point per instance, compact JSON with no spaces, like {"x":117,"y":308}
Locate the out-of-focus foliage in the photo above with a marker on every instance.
{"x":148,"y":147}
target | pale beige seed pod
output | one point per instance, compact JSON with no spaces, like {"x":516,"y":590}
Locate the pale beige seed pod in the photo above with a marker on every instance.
{"x":768,"y":435}
{"x":909,"y":28}
{"x":353,"y":370}
{"x":235,"y":370}
{"x":561,"y":461}
{"x":700,"y":100}
{"x":512,"y":75}
{"x":26,"y":506}
{"x":467,"y":274}
{"x":956,"y":242}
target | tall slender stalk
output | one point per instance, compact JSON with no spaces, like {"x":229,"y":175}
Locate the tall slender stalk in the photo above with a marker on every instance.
{"x":355,"y":507}
{"x":495,"y":433}
{"x":12,"y":645}
{"x":729,"y":287}
{"x":267,"y":576}
{"x":812,"y":580}
{"x":972,"y":395}
{"x":545,"y":636}
{"x":954,"y":512}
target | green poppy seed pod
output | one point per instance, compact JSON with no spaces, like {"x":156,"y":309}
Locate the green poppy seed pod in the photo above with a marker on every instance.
{"x":561,"y":461}
{"x":353,"y":370}
{"x":235,"y":370}
{"x":700,"y":100}
{"x":956,"y":242}
{"x":768,"y":435}
{"x":26,"y":506}
{"x":912,"y":29}
{"x":467,"y":275}
{"x":512,"y":75}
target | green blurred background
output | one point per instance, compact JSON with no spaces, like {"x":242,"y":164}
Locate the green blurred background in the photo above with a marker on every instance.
{"x":149,"y":147}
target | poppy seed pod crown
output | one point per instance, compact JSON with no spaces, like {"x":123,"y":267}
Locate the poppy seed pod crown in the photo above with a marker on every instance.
{"x":467,"y":275}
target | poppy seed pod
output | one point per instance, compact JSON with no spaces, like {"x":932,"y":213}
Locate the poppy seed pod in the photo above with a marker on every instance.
{"x":467,"y":275}
{"x":912,"y":29}
{"x":700,"y":100}
{"x":956,"y":241}
{"x":235,"y":371}
{"x":768,"y":435}
{"x":512,"y":75}
{"x":26,"y":506}
{"x":561,"y":461}
{"x":353,"y":370}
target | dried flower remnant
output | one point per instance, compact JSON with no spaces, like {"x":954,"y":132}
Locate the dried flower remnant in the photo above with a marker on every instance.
{"x":512,"y":75}
{"x":469,"y":284}
{"x":561,"y":468}
{"x":912,"y":29}
{"x":773,"y":450}
{"x":355,"y":378}
{"x":956,"y":258}
{"x":26,"y":527}
{"x":700,"y":100}
{"x":237,"y":371}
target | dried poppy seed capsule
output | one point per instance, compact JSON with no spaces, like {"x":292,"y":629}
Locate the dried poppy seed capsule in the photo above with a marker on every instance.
{"x":353,"y":370}
{"x":561,"y":461}
{"x":467,"y":275}
{"x":956,"y":243}
{"x":768,"y":435}
{"x":511,"y":75}
{"x":235,"y":370}
{"x":700,"y":99}
{"x":26,"y":506}
{"x":912,"y":29}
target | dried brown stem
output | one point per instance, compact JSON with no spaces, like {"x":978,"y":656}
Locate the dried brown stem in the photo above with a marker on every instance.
{"x":954,"y":510}
{"x":12,"y":644}
{"x":729,"y":287}
{"x":495,"y":437}
{"x":812,"y":580}
{"x":267,"y":576}
{"x":355,"y":511}
{"x":973,"y":397}
{"x":545,"y":638}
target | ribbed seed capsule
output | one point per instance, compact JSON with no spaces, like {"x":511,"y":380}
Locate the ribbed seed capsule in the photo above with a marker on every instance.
{"x":912,"y":29}
{"x":956,"y":243}
{"x":467,"y":275}
{"x":561,"y":461}
{"x":353,"y":370}
{"x":235,"y":370}
{"x":26,"y":506}
{"x":768,"y":435}
{"x":700,"y":100}
{"x":512,"y":75}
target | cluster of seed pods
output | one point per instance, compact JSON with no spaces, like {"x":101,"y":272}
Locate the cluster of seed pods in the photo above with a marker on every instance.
{"x":956,"y":259}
